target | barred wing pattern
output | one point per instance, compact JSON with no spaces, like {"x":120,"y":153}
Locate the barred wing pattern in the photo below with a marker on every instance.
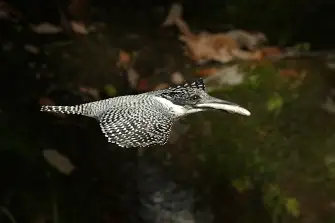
{"x":130,"y":126}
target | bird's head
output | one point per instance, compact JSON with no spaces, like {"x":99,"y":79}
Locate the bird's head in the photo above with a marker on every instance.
{"x":191,"y":97}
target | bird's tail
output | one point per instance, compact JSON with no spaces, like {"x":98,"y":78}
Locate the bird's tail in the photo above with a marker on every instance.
{"x":74,"y":110}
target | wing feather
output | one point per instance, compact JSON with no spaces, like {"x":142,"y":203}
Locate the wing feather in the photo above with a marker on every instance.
{"x":133,"y":127}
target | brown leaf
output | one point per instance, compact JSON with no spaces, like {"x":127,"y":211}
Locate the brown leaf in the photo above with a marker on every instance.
{"x":79,"y":27}
{"x":124,"y":59}
{"x":250,"y":40}
{"x":289,"y":73}
{"x":216,"y":46}
{"x":258,"y":55}
{"x":206,"y":72}
{"x":199,"y":47}
{"x":271,"y":51}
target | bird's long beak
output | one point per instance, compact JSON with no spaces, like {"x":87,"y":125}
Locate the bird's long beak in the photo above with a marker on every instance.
{"x":218,"y":104}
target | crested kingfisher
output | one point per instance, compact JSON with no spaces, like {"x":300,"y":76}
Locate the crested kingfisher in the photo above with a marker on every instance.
{"x":146,"y":119}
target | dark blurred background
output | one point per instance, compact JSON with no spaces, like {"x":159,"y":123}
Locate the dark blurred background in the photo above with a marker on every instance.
{"x":285,"y":22}
{"x":271,"y":153}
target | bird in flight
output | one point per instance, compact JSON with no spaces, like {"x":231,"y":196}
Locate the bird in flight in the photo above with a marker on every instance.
{"x":146,"y":119}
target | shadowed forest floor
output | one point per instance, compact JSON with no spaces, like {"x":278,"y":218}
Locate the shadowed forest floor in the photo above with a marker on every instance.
{"x":278,"y":165}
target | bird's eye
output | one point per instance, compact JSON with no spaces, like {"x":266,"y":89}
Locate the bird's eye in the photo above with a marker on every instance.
{"x":195,"y":97}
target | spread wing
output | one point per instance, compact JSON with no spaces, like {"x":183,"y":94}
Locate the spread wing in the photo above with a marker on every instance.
{"x":136,"y":127}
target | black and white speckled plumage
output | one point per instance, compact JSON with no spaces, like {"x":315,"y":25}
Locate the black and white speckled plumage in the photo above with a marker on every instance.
{"x":130,"y":126}
{"x":128,"y":121}
{"x":144,"y":119}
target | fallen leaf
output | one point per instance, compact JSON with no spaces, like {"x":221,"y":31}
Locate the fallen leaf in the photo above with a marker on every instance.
{"x":257,"y":55}
{"x":271,"y":51}
{"x":124,"y":59}
{"x":231,"y":76}
{"x":58,"y":161}
{"x":217,"y":47}
{"x":221,"y":47}
{"x":200,"y":47}
{"x":31,"y":49}
{"x":206,"y":72}
{"x":161,"y":86}
{"x":79,"y":27}
{"x":177,"y":78}
{"x":250,"y":40}
{"x":46,"y":28}
{"x":289,"y":73}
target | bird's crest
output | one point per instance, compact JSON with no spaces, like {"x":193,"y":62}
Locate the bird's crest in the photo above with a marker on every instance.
{"x":197,"y":84}
{"x":184,"y":94}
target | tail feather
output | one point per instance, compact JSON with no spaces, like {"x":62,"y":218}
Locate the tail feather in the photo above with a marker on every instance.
{"x":75,"y":110}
